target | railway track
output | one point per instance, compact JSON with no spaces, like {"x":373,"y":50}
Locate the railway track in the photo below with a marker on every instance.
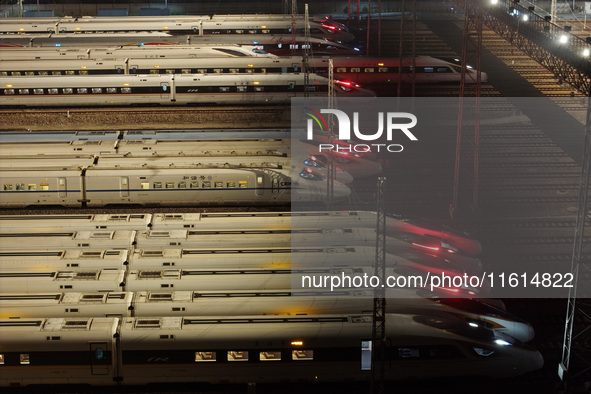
{"x":145,"y":118}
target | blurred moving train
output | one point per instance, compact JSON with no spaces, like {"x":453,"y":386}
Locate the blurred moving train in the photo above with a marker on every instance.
{"x":278,"y":44}
{"x":315,"y":348}
{"x":259,"y":302}
{"x":168,"y":89}
{"x":362,"y":70}
{"x":217,"y":25}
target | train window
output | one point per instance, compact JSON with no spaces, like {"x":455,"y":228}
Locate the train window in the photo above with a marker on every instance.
{"x":20,"y":186}
{"x":32,"y":186}
{"x":144,"y":185}
{"x":237,"y":355}
{"x":97,"y":90}
{"x":242,"y":184}
{"x":242,"y":88}
{"x":147,"y":323}
{"x":259,"y":180}
{"x":38,"y":91}
{"x":231,"y":184}
{"x":42,"y":73}
{"x":259,"y":89}
{"x":382,"y":69}
{"x":224,"y":89}
{"x":355,"y":69}
{"x":310,"y":88}
{"x":83,"y":72}
{"x":67,"y":90}
{"x":270,"y":356}
{"x":300,"y":355}
{"x":52,"y":91}
{"x":23,"y":91}
{"x":3,"y":74}
{"x":70,"y":72}
{"x":170,"y":185}
{"x":154,"y":71}
{"x":194,"y":185}
{"x":7,"y":186}
{"x":201,"y":71}
{"x":369,"y":70}
{"x":82,"y":90}
{"x":29,"y":73}
{"x":170,"y":71}
{"x":186,"y":71}
{"x":111,"y":90}
{"x":164,"y":87}
{"x":206,"y":184}
{"x":234,"y":70}
{"x":239,"y":31}
{"x":444,"y":70}
{"x":426,"y":69}
{"x":182,"y":185}
{"x":15,"y":73}
{"x":56,"y":73}
{"x":341,"y":69}
{"x":8,"y":91}
{"x":125,"y":90}
{"x":24,"y":358}
{"x":219,"y":184}
{"x":408,"y":352}
{"x":102,"y":235}
{"x":157,"y":185}
{"x":44,"y":186}
{"x":205,"y":357}
{"x":1,"y":359}
{"x":291,"y":86}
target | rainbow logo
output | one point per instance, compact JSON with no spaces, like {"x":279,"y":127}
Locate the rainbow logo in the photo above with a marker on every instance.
{"x":318,"y":118}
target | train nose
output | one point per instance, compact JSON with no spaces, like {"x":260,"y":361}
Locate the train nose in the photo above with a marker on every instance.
{"x":483,"y":76}
{"x":343,"y":176}
{"x":341,"y":191}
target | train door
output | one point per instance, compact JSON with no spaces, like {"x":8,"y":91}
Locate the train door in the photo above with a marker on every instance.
{"x":291,"y":88}
{"x":99,"y":358}
{"x":168,"y":90}
{"x":124,"y":186}
{"x":62,"y":187}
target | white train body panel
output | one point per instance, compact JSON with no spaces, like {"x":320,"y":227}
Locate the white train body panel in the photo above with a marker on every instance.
{"x":62,"y":281}
{"x":79,"y":259}
{"x":91,"y":240}
{"x":75,"y":222}
{"x":70,"y":305}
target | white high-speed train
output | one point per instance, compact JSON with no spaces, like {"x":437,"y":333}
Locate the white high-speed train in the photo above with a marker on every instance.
{"x":315,"y":348}
{"x":259,"y":302}
{"x":362,"y":70}
{"x":167,"y":89}
{"x":215,"y":25}
{"x":18,"y":54}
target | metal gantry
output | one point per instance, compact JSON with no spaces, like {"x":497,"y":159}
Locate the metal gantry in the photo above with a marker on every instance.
{"x":330,"y":167}
{"x":565,"y":371}
{"x":378,"y":337}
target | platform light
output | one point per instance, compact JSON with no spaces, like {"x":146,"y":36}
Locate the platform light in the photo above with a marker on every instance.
{"x":563,"y":39}
{"x":256,"y":83}
{"x":9,"y":86}
{"x":297,"y":343}
{"x":586,"y":52}
{"x":525,"y":18}
{"x":494,"y":2}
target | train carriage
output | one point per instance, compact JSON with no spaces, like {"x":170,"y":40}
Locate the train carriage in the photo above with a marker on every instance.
{"x":62,"y":259}
{"x":315,"y":348}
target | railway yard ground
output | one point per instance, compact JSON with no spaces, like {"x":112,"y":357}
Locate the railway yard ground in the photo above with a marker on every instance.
{"x":528,"y":184}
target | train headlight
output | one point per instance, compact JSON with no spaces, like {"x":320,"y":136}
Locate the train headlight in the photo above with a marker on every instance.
{"x":586,"y":52}
{"x":502,"y":342}
{"x":563,"y":39}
